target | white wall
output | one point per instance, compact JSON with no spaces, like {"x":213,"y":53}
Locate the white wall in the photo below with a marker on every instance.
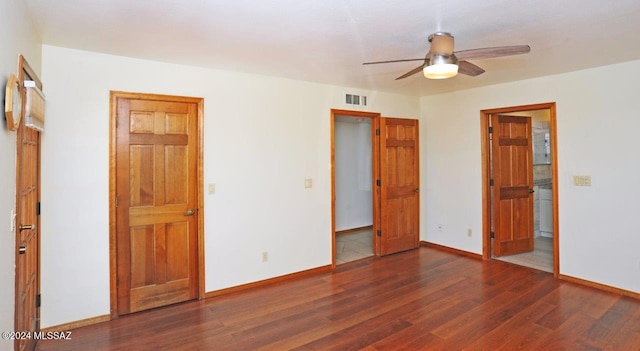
{"x":18,"y":37}
{"x":263,"y":137}
{"x":597,"y":129}
{"x":354,"y":198}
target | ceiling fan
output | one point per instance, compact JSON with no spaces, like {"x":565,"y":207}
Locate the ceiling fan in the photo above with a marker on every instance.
{"x":442,"y":62}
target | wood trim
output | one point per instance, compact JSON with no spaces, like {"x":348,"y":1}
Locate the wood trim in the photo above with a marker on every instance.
{"x":113,"y":267}
{"x":486,"y":211}
{"x":486,"y":189}
{"x":452,"y":250}
{"x":275,"y":280}
{"x":377,"y":199}
{"x":156,"y":97}
{"x":599,"y":286}
{"x":25,"y":71}
{"x":351,"y":113}
{"x":374,"y":155}
{"x":347,"y":231}
{"x":200,"y":199}
{"x":532,"y":107}
{"x":114,"y":95}
{"x":77,"y":324}
{"x":554,"y":189}
{"x":333,"y":189}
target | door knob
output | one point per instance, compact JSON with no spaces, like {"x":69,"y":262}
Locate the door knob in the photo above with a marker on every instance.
{"x":190,"y":212}
{"x":417,"y":190}
{"x":26,"y":227}
{"x":22,"y":250}
{"x":531,"y":191}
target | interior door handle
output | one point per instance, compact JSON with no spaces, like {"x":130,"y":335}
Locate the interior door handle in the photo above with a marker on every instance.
{"x":531,"y":191}
{"x":190,"y":212}
{"x":26,"y":227}
{"x":417,"y":190}
{"x":22,"y":250}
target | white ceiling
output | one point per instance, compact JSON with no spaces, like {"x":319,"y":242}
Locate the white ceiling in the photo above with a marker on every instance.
{"x":327,"y":41}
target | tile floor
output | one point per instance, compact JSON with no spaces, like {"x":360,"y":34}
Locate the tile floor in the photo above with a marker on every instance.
{"x":359,"y":244}
{"x":354,"y":245}
{"x":540,"y":258}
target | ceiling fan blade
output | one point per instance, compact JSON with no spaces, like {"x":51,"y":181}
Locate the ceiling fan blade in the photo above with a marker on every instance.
{"x":392,"y":61}
{"x":468,"y":68}
{"x":498,"y":51}
{"x":441,"y":44}
{"x":410,"y":73}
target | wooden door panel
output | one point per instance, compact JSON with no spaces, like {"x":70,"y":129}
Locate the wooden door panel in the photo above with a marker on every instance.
{"x":176,"y":168}
{"x":142,"y":122}
{"x":513,"y":179}
{"x":157,"y":236}
{"x":399,"y":207}
{"x":141,"y":175}
{"x":28,"y":242}
{"x":147,"y":297}
{"x":178,"y":255}
{"x":143,"y":245}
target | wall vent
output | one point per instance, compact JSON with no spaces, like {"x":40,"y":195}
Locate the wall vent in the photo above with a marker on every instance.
{"x":359,"y":100}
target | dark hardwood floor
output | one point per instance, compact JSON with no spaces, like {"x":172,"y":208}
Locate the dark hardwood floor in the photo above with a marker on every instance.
{"x":421,"y":299}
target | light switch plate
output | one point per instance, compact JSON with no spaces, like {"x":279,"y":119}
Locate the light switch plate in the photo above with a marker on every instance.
{"x":212,"y":188}
{"x":581,"y":180}
{"x":13,"y":221}
{"x":308,"y":183}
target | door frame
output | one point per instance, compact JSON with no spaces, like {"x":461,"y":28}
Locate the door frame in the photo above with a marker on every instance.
{"x":113,"y":273}
{"x":485,"y":116}
{"x":375,"y":160}
{"x":25,"y":72}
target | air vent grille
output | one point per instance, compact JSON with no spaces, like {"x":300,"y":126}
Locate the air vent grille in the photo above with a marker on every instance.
{"x":359,"y":100}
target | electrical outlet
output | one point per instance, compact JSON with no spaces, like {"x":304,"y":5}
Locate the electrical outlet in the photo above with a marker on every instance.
{"x":469,"y":232}
{"x":265,"y":256}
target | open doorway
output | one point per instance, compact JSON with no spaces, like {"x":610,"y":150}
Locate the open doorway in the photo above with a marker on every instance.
{"x":353,"y":186}
{"x":520,"y":217}
{"x":394,"y":182}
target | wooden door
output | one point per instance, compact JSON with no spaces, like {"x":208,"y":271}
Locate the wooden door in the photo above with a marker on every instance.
{"x":27,"y":239}
{"x":156,"y":204}
{"x":27,"y":231}
{"x":512,"y":170}
{"x":399,"y":185}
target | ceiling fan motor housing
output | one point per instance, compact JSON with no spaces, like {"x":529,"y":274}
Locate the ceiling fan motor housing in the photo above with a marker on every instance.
{"x":439,"y":34}
{"x":438,"y":59}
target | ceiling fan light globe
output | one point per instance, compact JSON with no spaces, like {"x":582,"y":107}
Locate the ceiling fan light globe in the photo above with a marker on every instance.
{"x":440,"y":66}
{"x":440,"y":71}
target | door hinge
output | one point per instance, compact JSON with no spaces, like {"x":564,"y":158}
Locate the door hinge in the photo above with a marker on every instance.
{"x":116,"y":202}
{"x":378,"y":182}
{"x":379,"y":232}
{"x":490,"y":130}
{"x":38,"y":301}
{"x":38,"y":208}
{"x":491,"y":182}
{"x":493,"y":235}
{"x":377,"y":131}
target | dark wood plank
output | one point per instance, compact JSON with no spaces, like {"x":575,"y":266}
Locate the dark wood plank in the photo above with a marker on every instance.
{"x":420,"y":299}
